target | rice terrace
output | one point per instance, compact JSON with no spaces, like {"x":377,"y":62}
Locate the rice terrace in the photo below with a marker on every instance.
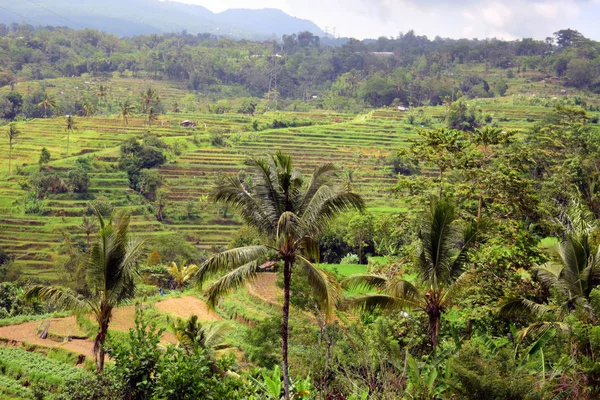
{"x":241,"y":204}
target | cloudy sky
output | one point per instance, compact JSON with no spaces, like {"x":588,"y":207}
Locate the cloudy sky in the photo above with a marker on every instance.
{"x":456,"y":18}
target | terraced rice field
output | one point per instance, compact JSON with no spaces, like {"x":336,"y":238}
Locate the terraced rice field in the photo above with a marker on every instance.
{"x":354,"y":143}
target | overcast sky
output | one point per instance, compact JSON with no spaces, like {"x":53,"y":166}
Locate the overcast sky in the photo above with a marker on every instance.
{"x":454,"y":18}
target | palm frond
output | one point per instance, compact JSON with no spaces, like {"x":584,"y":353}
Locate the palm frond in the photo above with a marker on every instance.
{"x":519,"y":305}
{"x":290,"y":226}
{"x":324,"y":287}
{"x":540,"y":328}
{"x":230,"y":282}
{"x":216,"y":333}
{"x":266,"y":186}
{"x":435,"y":255}
{"x":230,"y":259}
{"x":231,"y":191}
{"x":328,"y":204}
{"x":402,"y":289}
{"x":456,"y":287}
{"x":372,"y":302}
{"x":469,"y":239}
{"x":322,"y":176}
{"x":365,"y":281}
{"x":57,"y":297}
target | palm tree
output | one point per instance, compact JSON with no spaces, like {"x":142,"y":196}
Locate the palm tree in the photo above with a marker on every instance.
{"x":88,"y":108}
{"x":191,"y":335}
{"x":47,"y":102}
{"x":102,"y":92}
{"x":441,"y":264}
{"x":288,"y":213}
{"x":110,"y":273}
{"x":182,"y":273}
{"x":71,"y":126}
{"x":574,"y":268}
{"x":126,"y":109}
{"x":88,"y":227}
{"x":149,"y":97}
{"x":12,"y":134}
{"x":484,"y":139}
{"x":152,"y":116}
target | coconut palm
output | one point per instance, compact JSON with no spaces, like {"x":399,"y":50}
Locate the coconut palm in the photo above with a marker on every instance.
{"x":182,"y":273}
{"x":151,"y":116}
{"x":88,"y":227}
{"x":11,"y":134}
{"x":125,"y":110}
{"x":48,"y":102}
{"x":441,"y":262}
{"x":102,"y":92}
{"x":148,"y":98}
{"x":88,"y":108}
{"x":71,"y":126}
{"x":110,"y":273}
{"x":288,"y":213}
{"x":191,"y":335}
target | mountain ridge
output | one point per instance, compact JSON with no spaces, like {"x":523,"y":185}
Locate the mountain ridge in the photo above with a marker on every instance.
{"x":136,"y":17}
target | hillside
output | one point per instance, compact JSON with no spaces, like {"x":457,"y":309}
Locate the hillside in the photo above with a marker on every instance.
{"x":190,"y":216}
{"x":141,"y":17}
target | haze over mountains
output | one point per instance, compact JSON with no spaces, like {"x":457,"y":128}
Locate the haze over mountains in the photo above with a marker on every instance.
{"x":135,"y":17}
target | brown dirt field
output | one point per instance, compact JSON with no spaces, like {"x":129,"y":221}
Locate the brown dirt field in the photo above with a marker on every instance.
{"x":264,"y":287}
{"x":184,"y":307}
{"x":27,"y":332}
{"x":123,"y":319}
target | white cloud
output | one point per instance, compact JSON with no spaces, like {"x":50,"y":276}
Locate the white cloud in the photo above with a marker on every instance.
{"x":460,"y":18}
{"x":496,"y":14}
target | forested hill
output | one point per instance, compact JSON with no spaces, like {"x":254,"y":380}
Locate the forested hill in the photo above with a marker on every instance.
{"x":407,"y":70}
{"x":140,"y":17}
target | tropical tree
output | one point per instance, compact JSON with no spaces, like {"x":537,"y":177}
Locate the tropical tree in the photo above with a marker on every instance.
{"x":573,"y":269}
{"x":110,"y":273}
{"x":125,"y":110}
{"x":102,"y":91}
{"x":88,"y":108}
{"x":288,"y":213}
{"x":191,"y":335}
{"x":48,"y":102}
{"x":484,"y":139}
{"x":11,"y":134}
{"x":151,"y":116}
{"x":441,"y":262}
{"x":148,"y":98}
{"x":71,"y":126}
{"x":182,"y":273}
{"x":88,"y":227}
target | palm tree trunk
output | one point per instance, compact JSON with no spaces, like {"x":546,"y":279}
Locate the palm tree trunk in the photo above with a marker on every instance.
{"x":434,"y":326}
{"x":441,"y":182}
{"x":480,"y":206}
{"x":68,"y":137}
{"x":287,"y":275}
{"x":99,"y":349}
{"x":9,"y":155}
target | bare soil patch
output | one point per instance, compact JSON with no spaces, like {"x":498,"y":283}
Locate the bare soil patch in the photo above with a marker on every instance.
{"x":187,"y":306}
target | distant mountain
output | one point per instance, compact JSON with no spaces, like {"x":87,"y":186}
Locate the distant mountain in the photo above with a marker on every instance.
{"x":136,"y":17}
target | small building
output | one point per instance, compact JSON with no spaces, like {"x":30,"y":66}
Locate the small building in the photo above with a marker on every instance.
{"x":270,"y":266}
{"x":188,"y":124}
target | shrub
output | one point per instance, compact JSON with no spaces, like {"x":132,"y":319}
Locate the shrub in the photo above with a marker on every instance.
{"x":350,"y":259}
